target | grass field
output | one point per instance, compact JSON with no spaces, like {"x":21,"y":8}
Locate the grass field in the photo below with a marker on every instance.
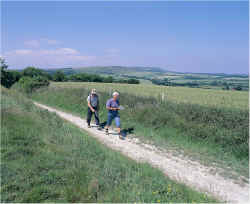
{"x":45,"y":159}
{"x":214,"y":98}
{"x":212,"y":133}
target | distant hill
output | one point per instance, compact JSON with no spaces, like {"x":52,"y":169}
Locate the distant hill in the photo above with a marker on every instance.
{"x":162,"y":76}
{"x":139,"y":72}
{"x":116,"y":71}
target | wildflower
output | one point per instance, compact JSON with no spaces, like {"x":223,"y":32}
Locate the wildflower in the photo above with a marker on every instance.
{"x":158,"y":201}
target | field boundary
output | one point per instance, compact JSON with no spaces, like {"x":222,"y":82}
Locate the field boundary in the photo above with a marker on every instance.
{"x":190,"y":173}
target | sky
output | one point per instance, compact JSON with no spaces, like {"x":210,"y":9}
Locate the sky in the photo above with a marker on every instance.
{"x":191,"y":36}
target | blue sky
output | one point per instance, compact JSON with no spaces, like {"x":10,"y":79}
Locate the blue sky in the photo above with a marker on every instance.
{"x":179,"y":36}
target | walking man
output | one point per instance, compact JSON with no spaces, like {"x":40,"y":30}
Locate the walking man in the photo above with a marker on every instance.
{"x":113,"y":107}
{"x":93,"y":107}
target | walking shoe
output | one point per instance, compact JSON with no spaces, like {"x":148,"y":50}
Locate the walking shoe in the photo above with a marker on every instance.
{"x":121,"y":137}
{"x":89,"y":126}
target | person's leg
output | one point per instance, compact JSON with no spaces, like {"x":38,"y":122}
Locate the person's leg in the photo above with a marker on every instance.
{"x":109,"y":121}
{"x":89,"y":116}
{"x":118,"y":123}
{"x":97,"y":121}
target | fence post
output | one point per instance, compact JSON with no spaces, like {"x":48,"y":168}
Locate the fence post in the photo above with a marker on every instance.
{"x":162,"y":96}
{"x":110,"y":92}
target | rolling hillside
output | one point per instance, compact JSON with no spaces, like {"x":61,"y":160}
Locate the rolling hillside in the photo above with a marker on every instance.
{"x":162,"y":76}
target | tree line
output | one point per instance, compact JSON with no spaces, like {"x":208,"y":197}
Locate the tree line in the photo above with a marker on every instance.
{"x":32,"y":78}
{"x":197,"y":84}
{"x":85,"y":77}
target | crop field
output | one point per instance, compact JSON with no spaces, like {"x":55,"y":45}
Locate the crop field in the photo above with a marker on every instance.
{"x":209,"y":98}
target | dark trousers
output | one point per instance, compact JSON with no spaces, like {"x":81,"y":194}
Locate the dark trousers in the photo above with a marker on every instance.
{"x":89,"y":116}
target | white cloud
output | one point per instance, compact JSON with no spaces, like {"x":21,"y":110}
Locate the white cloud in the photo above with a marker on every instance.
{"x":21,"y":52}
{"x":48,"y":57}
{"x":53,"y":42}
{"x":50,"y":42}
{"x":81,"y":57}
{"x":60,"y":51}
{"x":39,"y":42}
{"x":32,"y":43}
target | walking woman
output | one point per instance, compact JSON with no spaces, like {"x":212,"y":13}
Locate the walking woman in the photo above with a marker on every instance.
{"x":113,"y":113}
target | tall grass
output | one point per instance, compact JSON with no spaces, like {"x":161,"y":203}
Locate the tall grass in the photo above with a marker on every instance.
{"x":216,"y":133}
{"x":205,"y":97}
{"x":45,"y":159}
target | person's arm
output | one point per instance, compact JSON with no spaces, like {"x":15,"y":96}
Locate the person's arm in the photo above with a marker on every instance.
{"x":89,"y":105}
{"x":108,"y":105}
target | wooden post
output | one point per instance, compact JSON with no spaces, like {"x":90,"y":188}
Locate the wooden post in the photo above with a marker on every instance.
{"x":162,"y":97}
{"x":110,"y":91}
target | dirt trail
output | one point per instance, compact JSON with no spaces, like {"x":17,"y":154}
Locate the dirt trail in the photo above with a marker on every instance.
{"x":185,"y":171}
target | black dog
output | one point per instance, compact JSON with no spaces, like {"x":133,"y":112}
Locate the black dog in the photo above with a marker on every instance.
{"x":102,"y":125}
{"x":124,"y":132}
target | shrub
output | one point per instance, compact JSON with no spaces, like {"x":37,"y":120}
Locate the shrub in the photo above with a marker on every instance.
{"x":28,"y":84}
{"x":34,"y":72}
{"x":8,"y":78}
{"x":59,"y":76}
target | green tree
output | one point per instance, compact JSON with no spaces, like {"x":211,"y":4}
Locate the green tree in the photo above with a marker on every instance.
{"x":4,"y":74}
{"x":8,"y":78}
{"x":133,"y":81}
{"x":33,"y":72}
{"x":108,"y":79}
{"x":238,"y":88}
{"x":59,"y":76}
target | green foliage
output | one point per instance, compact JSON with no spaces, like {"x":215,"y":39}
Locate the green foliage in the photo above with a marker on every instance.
{"x":128,"y":81}
{"x":34,"y":72}
{"x":84,"y":77}
{"x":59,"y":76}
{"x":164,"y":82}
{"x":45,"y":159}
{"x":238,"y":88}
{"x":108,"y":79}
{"x":8,"y":78}
{"x":28,"y":84}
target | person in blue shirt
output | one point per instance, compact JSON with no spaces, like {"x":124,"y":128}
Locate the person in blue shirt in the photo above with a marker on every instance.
{"x":113,"y":113}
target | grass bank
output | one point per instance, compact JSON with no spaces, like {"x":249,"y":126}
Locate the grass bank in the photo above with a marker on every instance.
{"x":45,"y":159}
{"x":211,"y":134}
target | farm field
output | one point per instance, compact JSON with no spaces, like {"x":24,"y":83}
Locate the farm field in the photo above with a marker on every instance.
{"x":213,"y":133}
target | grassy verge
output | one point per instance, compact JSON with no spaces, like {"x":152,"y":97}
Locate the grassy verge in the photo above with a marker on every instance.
{"x":210,"y":134}
{"x":45,"y":159}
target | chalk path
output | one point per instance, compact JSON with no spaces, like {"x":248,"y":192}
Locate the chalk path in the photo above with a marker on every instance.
{"x":182,"y":170}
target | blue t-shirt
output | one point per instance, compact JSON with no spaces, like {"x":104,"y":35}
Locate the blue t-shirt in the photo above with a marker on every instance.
{"x":111,"y":103}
